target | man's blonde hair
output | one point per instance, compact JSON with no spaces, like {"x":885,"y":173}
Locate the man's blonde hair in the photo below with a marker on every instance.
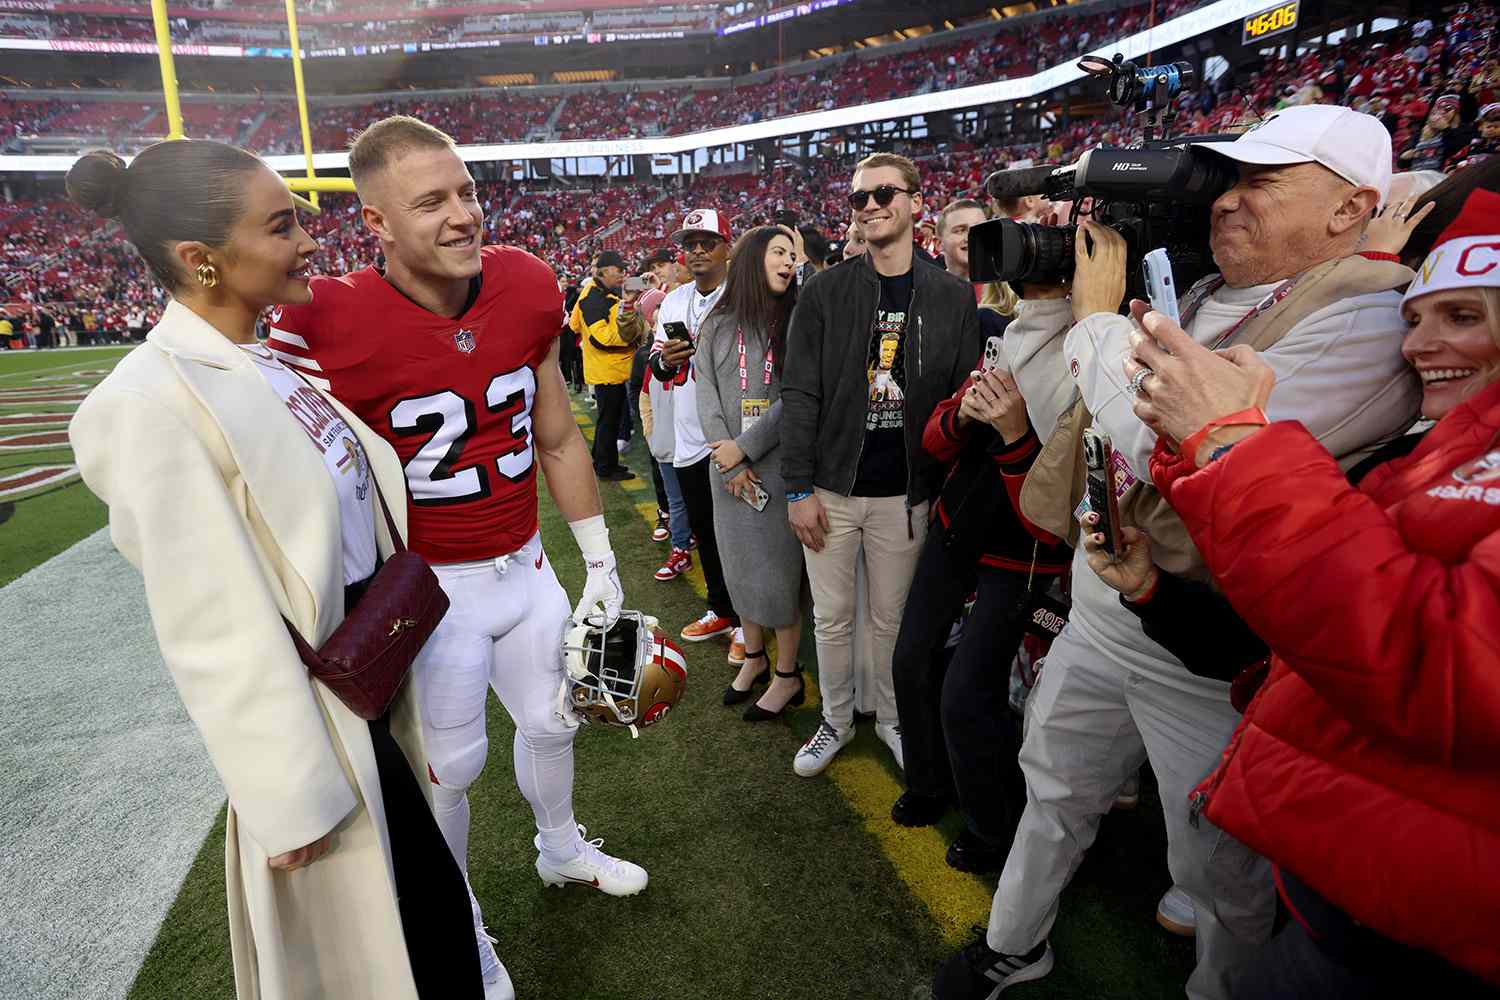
{"x":374,"y":148}
{"x":910,"y":175}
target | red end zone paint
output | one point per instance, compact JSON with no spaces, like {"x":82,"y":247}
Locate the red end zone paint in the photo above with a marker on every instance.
{"x":35,"y":419}
{"x":37,"y":439}
{"x":34,"y":478}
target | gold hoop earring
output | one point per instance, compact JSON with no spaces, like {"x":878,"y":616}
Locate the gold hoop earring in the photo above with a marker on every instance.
{"x":208,"y":275}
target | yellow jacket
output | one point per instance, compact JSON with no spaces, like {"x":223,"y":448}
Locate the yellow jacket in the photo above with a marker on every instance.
{"x":609,"y":338}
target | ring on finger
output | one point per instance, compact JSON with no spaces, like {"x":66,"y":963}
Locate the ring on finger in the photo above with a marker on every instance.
{"x":1140,"y":380}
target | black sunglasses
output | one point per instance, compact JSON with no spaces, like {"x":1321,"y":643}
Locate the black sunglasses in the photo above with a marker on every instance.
{"x":884,"y":195}
{"x":703,"y":243}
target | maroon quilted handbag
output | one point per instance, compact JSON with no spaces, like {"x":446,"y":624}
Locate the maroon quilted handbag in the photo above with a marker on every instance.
{"x":366,"y":659}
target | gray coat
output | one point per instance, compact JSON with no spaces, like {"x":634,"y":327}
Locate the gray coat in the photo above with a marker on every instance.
{"x":762,"y":558}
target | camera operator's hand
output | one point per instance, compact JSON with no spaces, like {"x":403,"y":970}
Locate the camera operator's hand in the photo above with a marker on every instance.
{"x":1393,"y":225}
{"x":1099,"y":270}
{"x":677,"y":352}
{"x":1192,"y":385}
{"x":1131,"y":572}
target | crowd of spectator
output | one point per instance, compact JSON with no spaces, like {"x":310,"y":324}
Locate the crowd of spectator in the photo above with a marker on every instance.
{"x":512,"y":114}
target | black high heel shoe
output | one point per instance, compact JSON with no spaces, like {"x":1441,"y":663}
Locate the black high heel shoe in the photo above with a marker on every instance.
{"x":757,"y":714}
{"x":733,"y":695}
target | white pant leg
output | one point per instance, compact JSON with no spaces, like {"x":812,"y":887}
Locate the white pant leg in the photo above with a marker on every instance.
{"x":527,"y":674}
{"x":1080,"y":745}
{"x":830,"y":574}
{"x":452,"y":677}
{"x":893,"y":539}
{"x":1231,"y":886}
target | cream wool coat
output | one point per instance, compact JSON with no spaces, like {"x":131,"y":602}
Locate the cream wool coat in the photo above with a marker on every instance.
{"x":216,"y":494}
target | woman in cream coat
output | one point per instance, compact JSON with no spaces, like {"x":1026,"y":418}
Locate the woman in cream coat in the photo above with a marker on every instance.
{"x":219,"y":497}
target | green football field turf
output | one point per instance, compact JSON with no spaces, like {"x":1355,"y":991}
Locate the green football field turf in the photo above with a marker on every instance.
{"x":763,"y":885}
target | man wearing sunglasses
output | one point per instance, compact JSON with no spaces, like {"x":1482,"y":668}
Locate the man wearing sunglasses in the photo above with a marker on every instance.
{"x":874,"y":345}
{"x":704,"y":238}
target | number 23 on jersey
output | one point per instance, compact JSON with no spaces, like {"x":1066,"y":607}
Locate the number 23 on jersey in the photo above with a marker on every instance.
{"x":436,"y":474}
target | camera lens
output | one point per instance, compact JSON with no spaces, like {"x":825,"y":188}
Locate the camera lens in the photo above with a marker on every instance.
{"x":1021,"y":252}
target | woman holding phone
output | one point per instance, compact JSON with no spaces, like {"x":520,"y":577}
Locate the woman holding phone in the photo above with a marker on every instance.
{"x":740,"y":349}
{"x":249,"y":501}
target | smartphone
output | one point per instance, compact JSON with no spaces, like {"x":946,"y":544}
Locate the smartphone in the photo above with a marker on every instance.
{"x":761,"y":497}
{"x":1156,"y":269}
{"x":677,"y":330}
{"x":1098,"y":462}
{"x":994,"y":356}
{"x":636,"y":283}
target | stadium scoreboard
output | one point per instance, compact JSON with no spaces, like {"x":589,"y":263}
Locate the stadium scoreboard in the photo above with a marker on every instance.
{"x":1269,"y":22}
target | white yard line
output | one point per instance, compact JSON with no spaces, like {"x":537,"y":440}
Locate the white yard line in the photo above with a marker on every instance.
{"x":107,"y":789}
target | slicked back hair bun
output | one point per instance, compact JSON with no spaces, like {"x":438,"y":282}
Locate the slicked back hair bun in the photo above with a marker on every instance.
{"x":96,"y":182}
{"x":176,"y":190}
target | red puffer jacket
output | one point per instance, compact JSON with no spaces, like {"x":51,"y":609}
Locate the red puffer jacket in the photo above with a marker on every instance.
{"x":1369,"y":763}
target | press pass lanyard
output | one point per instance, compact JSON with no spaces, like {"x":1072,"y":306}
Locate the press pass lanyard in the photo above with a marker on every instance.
{"x":1198,"y":297}
{"x":745,"y":375}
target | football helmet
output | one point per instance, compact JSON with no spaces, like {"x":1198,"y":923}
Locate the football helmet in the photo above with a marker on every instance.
{"x":627,"y":674}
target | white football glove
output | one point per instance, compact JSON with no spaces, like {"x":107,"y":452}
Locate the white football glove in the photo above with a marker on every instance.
{"x":602,"y":589}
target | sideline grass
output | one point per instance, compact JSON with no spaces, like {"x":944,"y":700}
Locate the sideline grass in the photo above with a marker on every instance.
{"x":41,"y":525}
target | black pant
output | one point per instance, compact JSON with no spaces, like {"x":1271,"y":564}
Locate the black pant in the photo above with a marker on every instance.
{"x":611,"y":399}
{"x":959,"y":738}
{"x":570,"y":360}
{"x":697,"y":493}
{"x":430,"y":891}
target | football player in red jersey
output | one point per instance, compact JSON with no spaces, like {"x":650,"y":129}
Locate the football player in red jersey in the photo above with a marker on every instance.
{"x":451,"y":355}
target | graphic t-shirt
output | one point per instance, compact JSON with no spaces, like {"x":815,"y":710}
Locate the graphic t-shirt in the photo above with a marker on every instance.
{"x":342,"y":455}
{"x":882,"y":463}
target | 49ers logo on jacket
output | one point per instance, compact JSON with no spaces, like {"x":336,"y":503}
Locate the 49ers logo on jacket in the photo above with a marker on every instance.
{"x":1484,"y":469}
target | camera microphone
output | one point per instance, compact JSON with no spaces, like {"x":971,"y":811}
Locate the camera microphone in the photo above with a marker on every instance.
{"x":1017,"y":183}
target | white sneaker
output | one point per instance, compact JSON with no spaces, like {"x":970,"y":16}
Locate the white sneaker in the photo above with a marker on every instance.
{"x":497,"y":984}
{"x":1176,"y":913}
{"x":889,"y":733}
{"x":818,"y":752}
{"x":621,"y":444}
{"x":592,"y":867}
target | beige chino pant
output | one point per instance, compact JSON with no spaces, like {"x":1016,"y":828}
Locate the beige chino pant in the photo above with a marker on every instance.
{"x":892,"y":538}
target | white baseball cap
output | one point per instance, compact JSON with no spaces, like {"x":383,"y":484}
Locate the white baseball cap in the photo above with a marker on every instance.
{"x":704,"y":220}
{"x":1352,"y":144}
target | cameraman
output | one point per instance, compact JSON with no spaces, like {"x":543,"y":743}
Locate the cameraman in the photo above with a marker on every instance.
{"x":1326,"y":319}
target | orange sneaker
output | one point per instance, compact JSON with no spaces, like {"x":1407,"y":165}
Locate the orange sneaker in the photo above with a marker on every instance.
{"x":707,"y":627}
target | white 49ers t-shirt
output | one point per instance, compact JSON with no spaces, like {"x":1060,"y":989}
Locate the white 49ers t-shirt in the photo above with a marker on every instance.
{"x":341,"y":452}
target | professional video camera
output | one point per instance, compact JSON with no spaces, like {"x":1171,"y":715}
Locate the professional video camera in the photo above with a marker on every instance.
{"x":1155,"y":195}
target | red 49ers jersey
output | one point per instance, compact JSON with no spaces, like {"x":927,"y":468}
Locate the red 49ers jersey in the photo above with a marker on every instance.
{"x":452,"y":396}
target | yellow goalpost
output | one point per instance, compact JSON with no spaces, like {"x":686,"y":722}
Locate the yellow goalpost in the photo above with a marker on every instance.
{"x":311,"y":184}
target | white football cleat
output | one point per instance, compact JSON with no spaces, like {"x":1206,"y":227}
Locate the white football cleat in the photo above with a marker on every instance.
{"x":593,"y":868}
{"x":497,"y":985}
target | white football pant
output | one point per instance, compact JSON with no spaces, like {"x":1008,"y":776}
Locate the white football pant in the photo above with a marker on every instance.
{"x":503,"y":630}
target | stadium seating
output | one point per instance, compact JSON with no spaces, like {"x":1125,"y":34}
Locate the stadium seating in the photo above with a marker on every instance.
{"x":511,"y":115}
{"x":51,"y":253}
